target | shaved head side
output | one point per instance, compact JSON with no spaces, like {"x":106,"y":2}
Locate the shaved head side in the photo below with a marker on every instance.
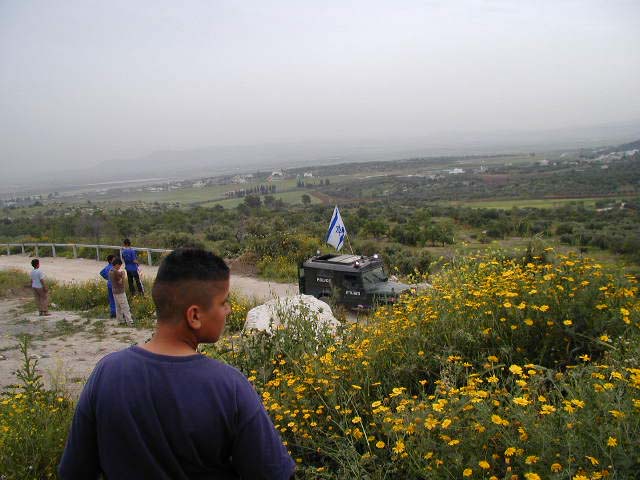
{"x":187,"y":277}
{"x":172,"y":299}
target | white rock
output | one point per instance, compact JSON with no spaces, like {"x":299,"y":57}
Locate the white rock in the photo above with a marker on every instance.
{"x":267,"y":316}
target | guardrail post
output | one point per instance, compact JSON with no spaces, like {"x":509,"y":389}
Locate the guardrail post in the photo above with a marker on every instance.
{"x":37,"y":251}
{"x":97,"y":253}
{"x":8,"y":249}
{"x":149,"y":257}
{"x":53,"y":250}
{"x":75,"y":251}
{"x":22,"y":245}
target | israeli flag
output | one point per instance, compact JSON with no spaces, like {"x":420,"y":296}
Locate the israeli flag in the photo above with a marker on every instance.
{"x":337,"y":231}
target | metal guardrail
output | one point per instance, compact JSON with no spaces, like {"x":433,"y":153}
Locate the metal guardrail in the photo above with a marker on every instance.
{"x":75,"y":247}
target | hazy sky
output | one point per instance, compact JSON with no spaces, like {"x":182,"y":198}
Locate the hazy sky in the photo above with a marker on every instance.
{"x":85,"y":81}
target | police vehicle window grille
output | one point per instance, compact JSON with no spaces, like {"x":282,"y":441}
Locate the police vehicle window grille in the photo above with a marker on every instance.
{"x":374,"y":276}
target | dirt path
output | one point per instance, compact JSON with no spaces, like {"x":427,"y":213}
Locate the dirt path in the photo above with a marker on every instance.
{"x":80,"y":270}
{"x":68,"y":345}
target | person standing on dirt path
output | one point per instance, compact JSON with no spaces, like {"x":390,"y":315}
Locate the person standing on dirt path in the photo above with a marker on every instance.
{"x":132,"y":266}
{"x":104,"y":273}
{"x":116,"y":275}
{"x":163,"y":410}
{"x":40,"y":290}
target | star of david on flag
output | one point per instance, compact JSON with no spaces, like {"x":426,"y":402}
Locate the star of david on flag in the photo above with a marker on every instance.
{"x":337,"y":231}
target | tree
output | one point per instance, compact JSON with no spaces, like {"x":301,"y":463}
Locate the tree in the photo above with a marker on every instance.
{"x":252,"y":201}
{"x":376,"y":228}
{"x":306,"y":199}
{"x":269,"y":200}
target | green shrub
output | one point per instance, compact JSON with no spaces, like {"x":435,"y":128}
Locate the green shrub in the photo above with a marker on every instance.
{"x":13,"y":282}
{"x":82,"y":296}
{"x":240,"y":305}
{"x":280,"y":269}
{"x":91,"y":297}
{"x":34,"y":423}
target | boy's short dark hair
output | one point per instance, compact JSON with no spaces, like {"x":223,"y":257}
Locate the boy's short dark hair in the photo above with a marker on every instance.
{"x":110,"y":258}
{"x":116,"y":261}
{"x":126,"y":242}
{"x":186,"y":277}
{"x":35,"y":262}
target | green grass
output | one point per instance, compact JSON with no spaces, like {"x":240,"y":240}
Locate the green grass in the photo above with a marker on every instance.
{"x":533,"y":203}
{"x":14,"y":283}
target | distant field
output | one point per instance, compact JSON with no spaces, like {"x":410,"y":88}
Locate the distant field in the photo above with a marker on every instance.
{"x":184,"y":195}
{"x":209,"y":195}
{"x":287,"y":197}
{"x":533,"y":203}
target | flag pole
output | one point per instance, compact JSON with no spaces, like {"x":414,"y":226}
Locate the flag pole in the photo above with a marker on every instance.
{"x":349,"y":242}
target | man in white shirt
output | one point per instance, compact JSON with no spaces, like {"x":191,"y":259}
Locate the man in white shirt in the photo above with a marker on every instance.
{"x":40,"y":290}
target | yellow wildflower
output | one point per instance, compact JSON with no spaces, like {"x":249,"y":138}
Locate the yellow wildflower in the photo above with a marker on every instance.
{"x":547,"y":410}
{"x":515,"y":369}
{"x":399,"y":447}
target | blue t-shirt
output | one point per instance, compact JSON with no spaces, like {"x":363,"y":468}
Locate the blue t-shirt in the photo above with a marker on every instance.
{"x":104,"y":273}
{"x":143,"y":415}
{"x":128,"y":257}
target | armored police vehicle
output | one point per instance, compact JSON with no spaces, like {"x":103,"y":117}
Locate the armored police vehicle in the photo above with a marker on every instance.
{"x":351,"y":280}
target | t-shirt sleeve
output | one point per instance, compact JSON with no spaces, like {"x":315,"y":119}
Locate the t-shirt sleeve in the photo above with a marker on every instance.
{"x":258,"y":452}
{"x":80,"y":457}
{"x":104,"y":273}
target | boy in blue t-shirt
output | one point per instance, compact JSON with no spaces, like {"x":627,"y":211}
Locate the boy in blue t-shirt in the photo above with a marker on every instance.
{"x":104,"y":273}
{"x":131,"y":265}
{"x":162,"y":410}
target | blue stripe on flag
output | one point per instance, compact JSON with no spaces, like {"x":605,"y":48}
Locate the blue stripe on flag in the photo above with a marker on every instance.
{"x":333,"y":224}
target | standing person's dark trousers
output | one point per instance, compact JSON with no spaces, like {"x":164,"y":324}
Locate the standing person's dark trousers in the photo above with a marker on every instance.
{"x":131,"y":275}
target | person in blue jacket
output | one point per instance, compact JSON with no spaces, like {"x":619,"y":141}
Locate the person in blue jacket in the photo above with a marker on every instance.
{"x":131,"y":265}
{"x":161,"y":410}
{"x":104,"y":273}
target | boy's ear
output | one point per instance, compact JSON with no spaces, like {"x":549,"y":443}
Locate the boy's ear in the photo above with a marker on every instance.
{"x":193,"y":314}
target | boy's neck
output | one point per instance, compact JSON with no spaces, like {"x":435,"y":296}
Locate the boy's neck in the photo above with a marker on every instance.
{"x":171,"y":341}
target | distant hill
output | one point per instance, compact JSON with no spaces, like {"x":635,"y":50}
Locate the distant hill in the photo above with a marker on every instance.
{"x":228,"y":159}
{"x":210,"y":161}
{"x":629,"y":146}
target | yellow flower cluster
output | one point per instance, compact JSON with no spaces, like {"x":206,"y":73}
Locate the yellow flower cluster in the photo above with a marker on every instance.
{"x":494,"y":366}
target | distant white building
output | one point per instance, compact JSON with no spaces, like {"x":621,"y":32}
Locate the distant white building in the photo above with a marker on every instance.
{"x":308,"y":175}
{"x":456,"y":171}
{"x":238,"y":179}
{"x":199,"y":184}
